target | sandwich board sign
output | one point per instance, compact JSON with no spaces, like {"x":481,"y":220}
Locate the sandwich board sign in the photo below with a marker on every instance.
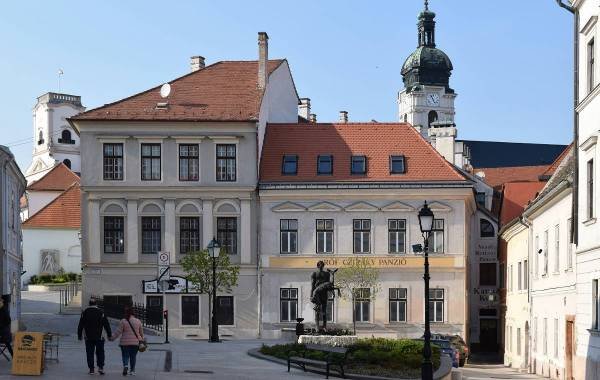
{"x":28,"y":350}
{"x":164,"y":262}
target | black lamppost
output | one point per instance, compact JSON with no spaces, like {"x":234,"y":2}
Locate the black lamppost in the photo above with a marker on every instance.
{"x":426,"y":225}
{"x":214,"y":250}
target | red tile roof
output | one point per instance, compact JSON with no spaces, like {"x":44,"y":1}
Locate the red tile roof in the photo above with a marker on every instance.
{"x":496,"y":177}
{"x":223,"y":91}
{"x":516,"y":196}
{"x":59,"y":178}
{"x":62,"y":212}
{"x":552,"y":168}
{"x":376,"y":141}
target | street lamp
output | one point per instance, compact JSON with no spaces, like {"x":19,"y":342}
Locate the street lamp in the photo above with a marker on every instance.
{"x":426,"y":225}
{"x":214,"y":250}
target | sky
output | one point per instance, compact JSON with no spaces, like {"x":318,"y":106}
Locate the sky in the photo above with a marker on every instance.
{"x":512,"y":58}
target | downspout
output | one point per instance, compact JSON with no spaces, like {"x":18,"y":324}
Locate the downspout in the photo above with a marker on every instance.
{"x":258,"y":264}
{"x":575,"y":198}
{"x":527,"y":223}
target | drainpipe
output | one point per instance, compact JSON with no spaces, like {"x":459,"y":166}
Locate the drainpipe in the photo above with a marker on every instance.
{"x":258,"y":264}
{"x":527,"y":223}
{"x":575,"y":198}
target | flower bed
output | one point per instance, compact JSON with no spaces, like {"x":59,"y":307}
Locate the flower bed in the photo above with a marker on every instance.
{"x":399,"y":358}
{"x":328,"y":340}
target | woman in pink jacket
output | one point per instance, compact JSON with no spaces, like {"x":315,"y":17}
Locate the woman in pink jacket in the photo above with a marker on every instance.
{"x":131,"y":333}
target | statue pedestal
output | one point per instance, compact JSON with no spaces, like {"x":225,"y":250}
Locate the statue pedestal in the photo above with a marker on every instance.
{"x":328,"y":340}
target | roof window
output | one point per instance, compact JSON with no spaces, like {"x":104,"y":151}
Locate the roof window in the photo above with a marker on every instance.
{"x":325,"y":164}
{"x":358,"y":165}
{"x":397,"y":165}
{"x":289,"y":165}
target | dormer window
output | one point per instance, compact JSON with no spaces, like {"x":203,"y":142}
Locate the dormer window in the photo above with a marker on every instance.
{"x":65,"y":137}
{"x":325,"y":164}
{"x":397,"y":165}
{"x":40,"y":138}
{"x":289,"y":165}
{"x":358,"y":165}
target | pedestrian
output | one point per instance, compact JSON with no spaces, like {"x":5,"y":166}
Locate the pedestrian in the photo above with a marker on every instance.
{"x":5,"y":325}
{"x":91,"y":324}
{"x":131,"y":333}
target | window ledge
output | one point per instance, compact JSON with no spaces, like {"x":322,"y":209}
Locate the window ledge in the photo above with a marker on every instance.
{"x":569,"y":269}
{"x":589,"y":222}
{"x":594,"y":332}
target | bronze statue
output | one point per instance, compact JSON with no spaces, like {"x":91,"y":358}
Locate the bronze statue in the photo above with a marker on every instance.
{"x":322,"y":284}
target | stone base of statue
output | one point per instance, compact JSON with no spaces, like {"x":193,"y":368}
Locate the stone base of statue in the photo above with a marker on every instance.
{"x":328,"y":340}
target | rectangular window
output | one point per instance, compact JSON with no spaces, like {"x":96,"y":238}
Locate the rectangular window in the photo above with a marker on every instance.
{"x":397,"y":235}
{"x":151,"y":238}
{"x":556,"y":337}
{"x":590,"y":189}
{"x":288,"y":301}
{"x":397,"y":165}
{"x":510,"y":339}
{"x":362,"y":304}
{"x":487,"y":274}
{"x":518,"y":341}
{"x":556,"y":248}
{"x":436,"y":305}
{"x":537,"y":255}
{"x":510,"y":279}
{"x":325,"y":164}
{"x":359,"y":165}
{"x":569,"y":244}
{"x":150,"y":162}
{"x":525,"y":275}
{"x":189,"y":234}
{"x":289,"y":165}
{"x":227,"y":234}
{"x":288,"y":230}
{"x":535,"y":334}
{"x":189,"y":162}
{"x":519,"y":276}
{"x":190,"y":310}
{"x":362,"y":235}
{"x":330,"y":306}
{"x":324,"y":235}
{"x":226,"y":163}
{"x":114,"y":234}
{"x":113,"y":162}
{"x":546,"y":238}
{"x":545,"y":337}
{"x":591,"y":65}
{"x":436,"y":237}
{"x":595,"y":306}
{"x":398,"y":304}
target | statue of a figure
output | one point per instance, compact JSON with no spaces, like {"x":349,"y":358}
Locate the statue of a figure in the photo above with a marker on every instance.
{"x":322,"y":284}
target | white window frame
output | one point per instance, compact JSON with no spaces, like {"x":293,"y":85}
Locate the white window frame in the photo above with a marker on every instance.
{"x":556,"y":248}
{"x":289,"y":302}
{"x":226,"y":140}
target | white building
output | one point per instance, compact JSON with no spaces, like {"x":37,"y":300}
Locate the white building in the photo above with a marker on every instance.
{"x":551,"y":267}
{"x":12,"y":187}
{"x":54,"y":139}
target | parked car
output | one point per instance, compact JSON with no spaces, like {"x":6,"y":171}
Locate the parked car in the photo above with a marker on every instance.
{"x":457,"y":342}
{"x":447,"y":349}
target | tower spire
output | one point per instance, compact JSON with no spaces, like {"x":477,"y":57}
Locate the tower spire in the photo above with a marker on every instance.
{"x":426,"y":27}
{"x":426,"y":5}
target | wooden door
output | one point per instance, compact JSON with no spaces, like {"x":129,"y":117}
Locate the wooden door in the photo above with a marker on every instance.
{"x":569,"y":345}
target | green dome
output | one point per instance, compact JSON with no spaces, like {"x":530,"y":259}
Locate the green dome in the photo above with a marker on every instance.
{"x":429,"y":58}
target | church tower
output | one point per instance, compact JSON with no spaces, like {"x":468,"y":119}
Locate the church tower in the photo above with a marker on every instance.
{"x":54,"y":140}
{"x":427,"y":101}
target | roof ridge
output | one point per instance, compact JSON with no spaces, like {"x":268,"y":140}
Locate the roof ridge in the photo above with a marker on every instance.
{"x":55,"y":167}
{"x":71,"y":187}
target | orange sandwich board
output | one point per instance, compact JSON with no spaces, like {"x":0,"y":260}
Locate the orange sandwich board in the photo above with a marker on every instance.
{"x":28,"y":353}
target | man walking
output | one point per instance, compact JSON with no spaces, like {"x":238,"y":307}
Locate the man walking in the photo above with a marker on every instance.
{"x":91,"y":324}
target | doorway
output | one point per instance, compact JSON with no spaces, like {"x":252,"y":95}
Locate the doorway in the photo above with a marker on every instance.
{"x":225,"y":310}
{"x":488,"y":335}
{"x":569,"y":345}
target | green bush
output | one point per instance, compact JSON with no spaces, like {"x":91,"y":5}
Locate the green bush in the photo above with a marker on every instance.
{"x":59,"y":278}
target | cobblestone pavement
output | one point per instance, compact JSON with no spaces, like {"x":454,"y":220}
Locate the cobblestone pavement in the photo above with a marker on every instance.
{"x":190,"y":359}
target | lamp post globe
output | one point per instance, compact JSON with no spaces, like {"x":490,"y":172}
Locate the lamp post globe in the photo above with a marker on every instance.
{"x":426,"y":218}
{"x":214,"y":250}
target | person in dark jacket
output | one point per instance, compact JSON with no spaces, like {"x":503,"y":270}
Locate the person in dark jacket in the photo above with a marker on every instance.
{"x":5,"y":323}
{"x":91,"y":324}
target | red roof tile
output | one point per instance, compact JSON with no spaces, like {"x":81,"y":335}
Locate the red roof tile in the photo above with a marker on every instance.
{"x":376,"y":141}
{"x":496,"y":177}
{"x":62,"y":212}
{"x":223,"y":91}
{"x":552,"y":168}
{"x":59,"y":178}
{"x":515,"y":196}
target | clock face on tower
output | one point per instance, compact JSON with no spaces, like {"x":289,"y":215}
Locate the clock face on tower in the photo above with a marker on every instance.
{"x":433,"y":99}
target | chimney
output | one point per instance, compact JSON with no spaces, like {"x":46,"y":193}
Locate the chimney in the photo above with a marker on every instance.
{"x":443,"y":138}
{"x":313,"y":118}
{"x":304,"y":108}
{"x":343,"y":117}
{"x":263,"y":58}
{"x":196,"y":63}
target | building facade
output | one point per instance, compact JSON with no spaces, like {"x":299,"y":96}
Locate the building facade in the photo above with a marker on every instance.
{"x":12,"y":187}
{"x":356,"y":197}
{"x":54,"y":140}
{"x":179,"y":167}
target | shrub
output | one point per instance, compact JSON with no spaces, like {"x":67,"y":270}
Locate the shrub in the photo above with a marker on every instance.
{"x":59,"y":278}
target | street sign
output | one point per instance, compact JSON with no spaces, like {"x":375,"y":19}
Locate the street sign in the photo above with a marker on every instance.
{"x":164,"y":262}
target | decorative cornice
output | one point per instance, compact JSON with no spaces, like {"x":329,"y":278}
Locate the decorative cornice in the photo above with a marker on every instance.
{"x":364,"y":185}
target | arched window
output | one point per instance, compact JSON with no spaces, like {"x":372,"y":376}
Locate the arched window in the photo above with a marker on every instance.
{"x":486,"y":229}
{"x":67,"y":162}
{"x":40,"y":138}
{"x":432,"y":117}
{"x":65,"y":137}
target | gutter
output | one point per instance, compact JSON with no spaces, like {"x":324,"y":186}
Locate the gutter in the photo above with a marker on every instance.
{"x":575,"y":200}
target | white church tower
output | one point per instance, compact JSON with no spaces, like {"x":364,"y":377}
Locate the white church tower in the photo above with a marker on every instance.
{"x":427,"y":101}
{"x":54,"y":139}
